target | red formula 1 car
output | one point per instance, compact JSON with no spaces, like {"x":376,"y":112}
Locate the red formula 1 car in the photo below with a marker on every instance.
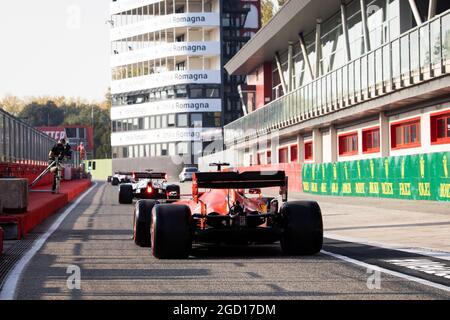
{"x":227,"y":207}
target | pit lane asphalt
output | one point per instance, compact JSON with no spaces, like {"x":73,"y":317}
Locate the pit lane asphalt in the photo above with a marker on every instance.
{"x":96,"y":237}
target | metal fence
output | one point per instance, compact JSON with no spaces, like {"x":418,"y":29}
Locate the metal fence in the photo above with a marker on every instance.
{"x":420,"y":54}
{"x":21,"y":143}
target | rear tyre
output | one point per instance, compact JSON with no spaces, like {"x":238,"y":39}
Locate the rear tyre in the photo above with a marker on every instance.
{"x":303,"y":228}
{"x":142,"y":222}
{"x":115,"y":181}
{"x":126,"y":194}
{"x":171,"y":231}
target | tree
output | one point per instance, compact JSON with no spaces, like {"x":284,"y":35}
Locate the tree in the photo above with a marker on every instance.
{"x":41,"y":115}
{"x":266,"y":11}
{"x":12,"y":104}
{"x":59,"y":111}
{"x":106,"y":104}
{"x":281,"y":2}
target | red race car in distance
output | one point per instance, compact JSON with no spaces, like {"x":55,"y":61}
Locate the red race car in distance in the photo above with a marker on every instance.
{"x":227,"y":207}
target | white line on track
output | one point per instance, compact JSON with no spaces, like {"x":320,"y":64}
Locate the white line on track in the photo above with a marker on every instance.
{"x":8,"y":291}
{"x":387,"y":271}
{"x":420,"y":251}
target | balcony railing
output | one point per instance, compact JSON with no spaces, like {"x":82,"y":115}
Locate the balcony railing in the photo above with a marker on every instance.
{"x":419,"y":54}
{"x":22,"y":143}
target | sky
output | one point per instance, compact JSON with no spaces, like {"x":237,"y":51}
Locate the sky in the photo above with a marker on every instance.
{"x":54,"y":48}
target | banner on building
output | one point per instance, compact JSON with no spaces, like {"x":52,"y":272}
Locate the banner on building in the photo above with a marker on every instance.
{"x":414,"y":177}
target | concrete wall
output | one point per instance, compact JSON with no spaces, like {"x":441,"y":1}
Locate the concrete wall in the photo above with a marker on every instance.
{"x":230,"y":156}
{"x":171,"y":166}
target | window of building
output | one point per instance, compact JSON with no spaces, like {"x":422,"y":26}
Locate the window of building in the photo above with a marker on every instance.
{"x":440,"y":128}
{"x":164,"y":121}
{"x":212,"y":92}
{"x":196,"y":120}
{"x":294,"y":153}
{"x":181,"y":91}
{"x":195,"y":92}
{"x":182,"y":148}
{"x":152,"y":150}
{"x":164,"y":149}
{"x":180,"y":66}
{"x":170,"y":93}
{"x":269,"y":157}
{"x":405,"y":134}
{"x":260,"y":158}
{"x":348,"y":144}
{"x":308,"y":151}
{"x":211,"y":119}
{"x":172,"y":150}
{"x":158,"y":122}
{"x":197,"y":150}
{"x":158,"y":149}
{"x":182,"y":120}
{"x":171,"y":120}
{"x":371,"y":140}
{"x":283,"y":155}
{"x":152,"y":122}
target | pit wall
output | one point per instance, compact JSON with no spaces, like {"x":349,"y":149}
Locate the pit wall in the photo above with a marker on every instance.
{"x":25,"y":171}
{"x":413,"y":177}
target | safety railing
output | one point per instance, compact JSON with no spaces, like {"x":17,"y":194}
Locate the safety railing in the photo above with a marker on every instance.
{"x":420,"y":54}
{"x":21,"y":143}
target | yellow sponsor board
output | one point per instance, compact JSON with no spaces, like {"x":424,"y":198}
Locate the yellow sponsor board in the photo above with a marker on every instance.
{"x":387,"y":188}
{"x":405,"y":189}
{"x":360,"y":187}
{"x":444,"y":190}
{"x":424,"y":189}
{"x":421,"y":176}
{"x":374,"y":188}
{"x":305,"y":186}
{"x":334,"y":187}
{"x":346,"y":187}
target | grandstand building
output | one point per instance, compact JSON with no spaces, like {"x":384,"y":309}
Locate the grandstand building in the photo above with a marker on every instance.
{"x":351,"y":96}
{"x":170,"y":93}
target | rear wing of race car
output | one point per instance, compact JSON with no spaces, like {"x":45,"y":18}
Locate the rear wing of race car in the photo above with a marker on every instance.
{"x":150,"y":175}
{"x":122,"y":173}
{"x":244,"y":180}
